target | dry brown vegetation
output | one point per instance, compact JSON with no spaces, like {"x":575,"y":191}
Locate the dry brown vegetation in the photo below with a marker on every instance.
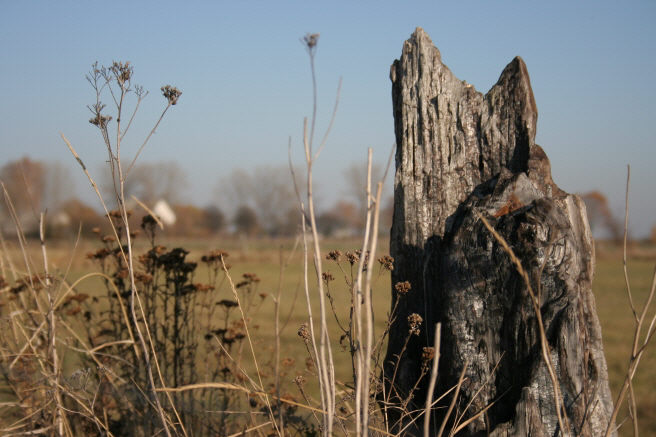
{"x":127,"y":334}
{"x":264,"y":258}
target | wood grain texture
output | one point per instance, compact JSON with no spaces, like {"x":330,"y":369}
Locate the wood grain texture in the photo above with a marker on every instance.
{"x":461,"y":152}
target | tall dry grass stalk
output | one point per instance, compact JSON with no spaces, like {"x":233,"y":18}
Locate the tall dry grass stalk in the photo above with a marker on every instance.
{"x":561,"y":413}
{"x":639,"y":344}
{"x":641,"y":340}
{"x":323,"y":353}
{"x":133,"y":307}
{"x":39,"y":334}
{"x":117,"y":80}
{"x":35,"y":337}
{"x":433,"y":380}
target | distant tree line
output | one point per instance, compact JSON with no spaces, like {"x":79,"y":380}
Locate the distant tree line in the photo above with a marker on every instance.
{"x":258,"y":202}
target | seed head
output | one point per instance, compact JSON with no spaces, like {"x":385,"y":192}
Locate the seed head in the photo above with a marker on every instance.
{"x":214,"y":256}
{"x":304,"y":333}
{"x":227,"y":303}
{"x":353,"y":257}
{"x":387,"y":262}
{"x":299,"y":381}
{"x":311,"y":40}
{"x":100,"y":120}
{"x":251,"y":277}
{"x":428,"y":354}
{"x":402,"y":287}
{"x":143,"y":278}
{"x":334,"y":255}
{"x":122,"y":71}
{"x":309,"y":364}
{"x":203,"y":287}
{"x":171,"y":93}
{"x":414,"y":323}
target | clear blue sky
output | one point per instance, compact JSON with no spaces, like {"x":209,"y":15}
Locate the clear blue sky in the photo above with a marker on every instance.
{"x":246,"y":82}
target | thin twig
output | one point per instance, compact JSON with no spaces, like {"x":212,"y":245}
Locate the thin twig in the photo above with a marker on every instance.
{"x":248,"y":336}
{"x":433,"y":379}
{"x":454,"y":399}
{"x":546,"y":354}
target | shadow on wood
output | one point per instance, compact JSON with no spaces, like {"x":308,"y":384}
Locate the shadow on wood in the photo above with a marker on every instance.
{"x":460,"y":153}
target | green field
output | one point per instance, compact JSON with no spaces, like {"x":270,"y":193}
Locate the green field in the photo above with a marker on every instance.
{"x":281,"y":268}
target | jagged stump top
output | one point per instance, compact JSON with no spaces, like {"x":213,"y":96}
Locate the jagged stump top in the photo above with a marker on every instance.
{"x":459,"y":154}
{"x":472,"y":136}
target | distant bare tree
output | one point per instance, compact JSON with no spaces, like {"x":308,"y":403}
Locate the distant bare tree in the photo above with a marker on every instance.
{"x":343,"y":216}
{"x":267,"y":190}
{"x":150,"y":182}
{"x":599,"y":214}
{"x":355,"y":178}
{"x":73,"y":215}
{"x":60,"y":187}
{"x":246,"y":221}
{"x":215,"y":220}
{"x":33,"y":187}
{"x":25,"y":181}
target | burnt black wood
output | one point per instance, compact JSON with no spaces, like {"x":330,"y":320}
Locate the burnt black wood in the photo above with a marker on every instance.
{"x":460,"y":152}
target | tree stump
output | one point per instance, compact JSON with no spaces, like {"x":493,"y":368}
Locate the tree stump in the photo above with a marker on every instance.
{"x":461,"y":153}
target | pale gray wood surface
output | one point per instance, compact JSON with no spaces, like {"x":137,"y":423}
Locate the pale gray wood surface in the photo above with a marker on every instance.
{"x":459,"y":151}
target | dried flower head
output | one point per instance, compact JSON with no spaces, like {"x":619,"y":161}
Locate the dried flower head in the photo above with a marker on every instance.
{"x":203,"y":287}
{"x":311,"y":40}
{"x":73,"y":311}
{"x":227,"y":303}
{"x":118,"y":214}
{"x":427,"y":354}
{"x":414,"y":323}
{"x":122,"y":71}
{"x":143,"y":278}
{"x":402,"y":287}
{"x":387,"y":262}
{"x":353,"y":257}
{"x":334,"y":255}
{"x":327,"y":277}
{"x":214,"y":256}
{"x":108,"y":239}
{"x":252,"y":277}
{"x":299,"y":381}
{"x":100,"y":120}
{"x":304,"y":333}
{"x":148,"y":222}
{"x":100,"y":254}
{"x":249,"y":279}
{"x":171,"y":93}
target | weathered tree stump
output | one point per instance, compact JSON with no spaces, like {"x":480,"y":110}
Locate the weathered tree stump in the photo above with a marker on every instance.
{"x":460,"y":153}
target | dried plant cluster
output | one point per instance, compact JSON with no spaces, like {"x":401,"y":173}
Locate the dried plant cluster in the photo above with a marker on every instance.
{"x":159,"y":350}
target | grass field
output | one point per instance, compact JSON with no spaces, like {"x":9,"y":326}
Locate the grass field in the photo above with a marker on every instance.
{"x":279,"y":266}
{"x":617,"y":327}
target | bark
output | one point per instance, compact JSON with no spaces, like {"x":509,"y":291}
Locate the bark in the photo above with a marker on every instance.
{"x":460,"y":152}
